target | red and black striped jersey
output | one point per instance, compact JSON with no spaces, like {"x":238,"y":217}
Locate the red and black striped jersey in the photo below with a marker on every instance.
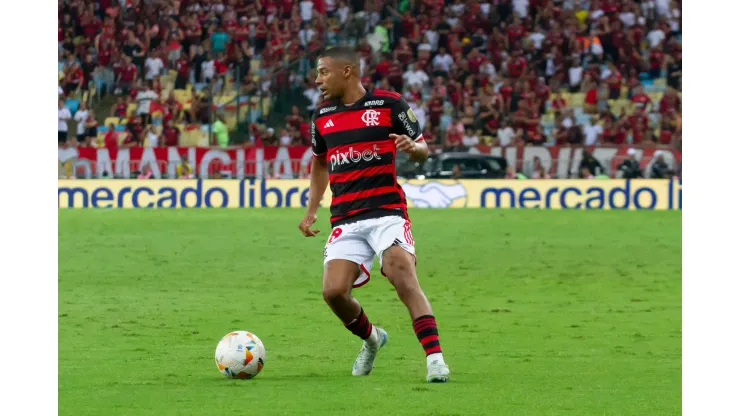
{"x":361,"y":156}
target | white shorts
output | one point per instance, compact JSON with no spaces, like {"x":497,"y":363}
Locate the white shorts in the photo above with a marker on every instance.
{"x":360,"y":241}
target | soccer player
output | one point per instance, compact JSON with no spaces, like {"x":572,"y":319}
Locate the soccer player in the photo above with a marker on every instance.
{"x":355,"y":137}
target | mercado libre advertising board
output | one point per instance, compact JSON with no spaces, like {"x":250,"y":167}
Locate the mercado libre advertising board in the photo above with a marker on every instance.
{"x":607,"y":194}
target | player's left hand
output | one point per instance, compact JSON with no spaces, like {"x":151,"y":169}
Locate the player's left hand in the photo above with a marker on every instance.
{"x":404,"y":143}
{"x":305,"y":225}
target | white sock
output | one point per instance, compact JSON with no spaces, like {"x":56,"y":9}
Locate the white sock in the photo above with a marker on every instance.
{"x":437,"y":356}
{"x":373,"y":339}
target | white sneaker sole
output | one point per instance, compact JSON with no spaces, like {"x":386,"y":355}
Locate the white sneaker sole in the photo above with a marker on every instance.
{"x":437,"y":378}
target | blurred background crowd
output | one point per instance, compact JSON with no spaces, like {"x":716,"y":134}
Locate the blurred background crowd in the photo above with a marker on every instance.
{"x":476,"y":72}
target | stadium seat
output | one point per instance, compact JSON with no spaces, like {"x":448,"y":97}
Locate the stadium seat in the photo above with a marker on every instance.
{"x":100,"y":139}
{"x":568,"y":98}
{"x":655,"y":97}
{"x":183,"y":96}
{"x":619,"y":105}
{"x":576,"y":99}
{"x":189,"y":137}
{"x":231,"y":122}
{"x":111,"y":120}
{"x":224,"y":99}
{"x":131,"y":110}
{"x":266,"y":106}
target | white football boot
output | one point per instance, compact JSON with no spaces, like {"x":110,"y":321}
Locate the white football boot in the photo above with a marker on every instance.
{"x":364,"y":361}
{"x":437,"y":371}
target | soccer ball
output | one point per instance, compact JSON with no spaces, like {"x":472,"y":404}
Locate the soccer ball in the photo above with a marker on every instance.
{"x":240,"y":354}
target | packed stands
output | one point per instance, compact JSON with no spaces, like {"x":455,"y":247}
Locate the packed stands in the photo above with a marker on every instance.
{"x":476,"y":73}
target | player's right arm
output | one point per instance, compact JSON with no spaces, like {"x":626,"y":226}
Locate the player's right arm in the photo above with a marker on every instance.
{"x":319,"y":181}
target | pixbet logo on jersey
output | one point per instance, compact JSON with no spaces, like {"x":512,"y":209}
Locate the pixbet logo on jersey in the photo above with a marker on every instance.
{"x":353,"y":156}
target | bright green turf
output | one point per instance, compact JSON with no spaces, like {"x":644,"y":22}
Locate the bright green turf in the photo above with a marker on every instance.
{"x":540,"y":313}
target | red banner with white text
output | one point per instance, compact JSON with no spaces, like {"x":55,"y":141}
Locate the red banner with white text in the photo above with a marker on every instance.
{"x":293,"y":161}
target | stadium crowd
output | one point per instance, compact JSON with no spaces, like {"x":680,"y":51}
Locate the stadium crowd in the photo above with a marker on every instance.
{"x":497,"y":72}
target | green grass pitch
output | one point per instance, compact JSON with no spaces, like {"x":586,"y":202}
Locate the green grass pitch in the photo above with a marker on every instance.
{"x":540,"y":313}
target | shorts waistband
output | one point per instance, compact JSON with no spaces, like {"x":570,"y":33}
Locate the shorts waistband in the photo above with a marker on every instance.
{"x":368,"y":215}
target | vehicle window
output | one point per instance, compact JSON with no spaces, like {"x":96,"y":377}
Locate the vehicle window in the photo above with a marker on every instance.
{"x":494,"y":163}
{"x":465,"y":164}
{"x":429,"y":164}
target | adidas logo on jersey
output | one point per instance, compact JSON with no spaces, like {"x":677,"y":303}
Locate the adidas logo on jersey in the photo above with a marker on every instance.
{"x":329,"y":124}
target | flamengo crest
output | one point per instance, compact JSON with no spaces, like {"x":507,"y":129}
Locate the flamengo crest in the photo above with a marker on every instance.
{"x":371,"y":118}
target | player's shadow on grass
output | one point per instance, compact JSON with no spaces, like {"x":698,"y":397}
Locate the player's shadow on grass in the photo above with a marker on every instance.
{"x":265,"y":378}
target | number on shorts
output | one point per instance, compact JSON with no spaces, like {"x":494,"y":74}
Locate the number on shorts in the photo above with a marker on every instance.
{"x":334,"y":235}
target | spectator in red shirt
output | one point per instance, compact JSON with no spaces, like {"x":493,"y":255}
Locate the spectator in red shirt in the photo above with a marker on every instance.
{"x":515,"y":32}
{"x":381,"y":68}
{"x":475,"y":60}
{"x":454,"y":136}
{"x":613,"y":132}
{"x":491,"y":118}
{"x":74,"y":78}
{"x":558,"y":103}
{"x":172,"y":108}
{"x":395,"y":76}
{"x":403,"y":53}
{"x":614,"y":81}
{"x":126,"y":75}
{"x":641,"y":100}
{"x":294,"y":119}
{"x":111,"y":138}
{"x":670,"y":101}
{"x":592,"y":97}
{"x":656,"y":60}
{"x":506,"y":91}
{"x":516,"y":65}
{"x":436,"y":108}
{"x":135,"y":128}
{"x":542,"y":92}
{"x":170,"y":134}
{"x":670,"y":124}
{"x":534,"y":135}
{"x":183,"y":73}
{"x":638,"y":124}
{"x":119,"y":109}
